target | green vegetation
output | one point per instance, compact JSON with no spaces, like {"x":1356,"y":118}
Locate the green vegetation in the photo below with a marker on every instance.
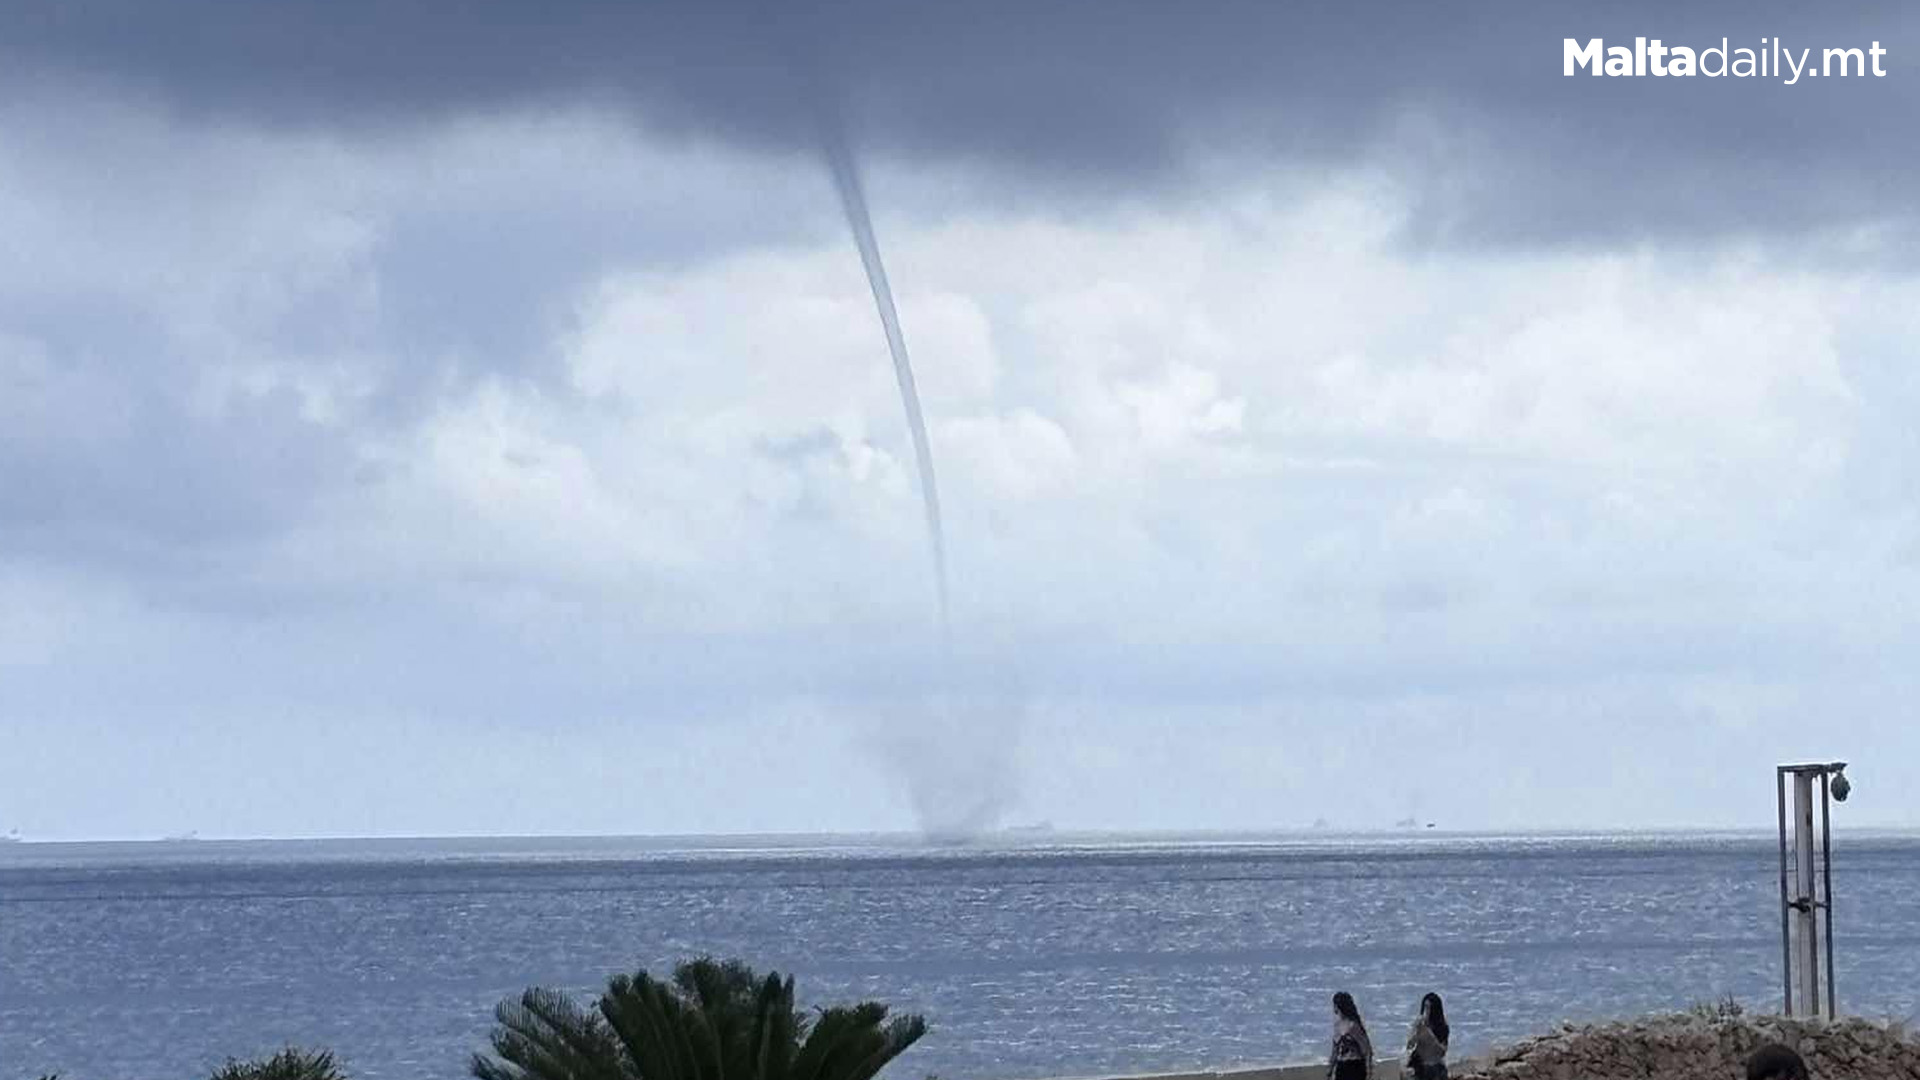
{"x":713,"y":1021}
{"x":288,"y":1064}
{"x":1727,"y":1008}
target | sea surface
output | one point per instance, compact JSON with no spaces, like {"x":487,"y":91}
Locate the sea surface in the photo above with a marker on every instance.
{"x":1035,"y":956}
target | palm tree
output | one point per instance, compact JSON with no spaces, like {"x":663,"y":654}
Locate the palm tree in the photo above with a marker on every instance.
{"x":288,"y":1064}
{"x":714,"y":1021}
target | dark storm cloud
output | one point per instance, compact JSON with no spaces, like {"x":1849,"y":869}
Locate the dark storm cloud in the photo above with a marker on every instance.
{"x":1109,"y":96}
{"x":112,"y":466}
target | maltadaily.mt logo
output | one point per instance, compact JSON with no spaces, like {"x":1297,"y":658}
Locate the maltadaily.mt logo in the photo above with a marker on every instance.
{"x":1771,"y":59}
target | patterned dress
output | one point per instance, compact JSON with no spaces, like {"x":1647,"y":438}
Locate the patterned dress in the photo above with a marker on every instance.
{"x":1352,"y":1056}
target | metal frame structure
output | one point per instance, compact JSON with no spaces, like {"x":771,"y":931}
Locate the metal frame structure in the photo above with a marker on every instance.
{"x":1809,"y":901}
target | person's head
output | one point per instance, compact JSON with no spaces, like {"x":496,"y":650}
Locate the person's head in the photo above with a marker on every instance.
{"x":1775,"y":1061}
{"x":1435,"y":1014}
{"x":1344,"y":1008}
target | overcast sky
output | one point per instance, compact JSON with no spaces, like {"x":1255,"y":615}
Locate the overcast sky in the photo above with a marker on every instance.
{"x":471,"y":418}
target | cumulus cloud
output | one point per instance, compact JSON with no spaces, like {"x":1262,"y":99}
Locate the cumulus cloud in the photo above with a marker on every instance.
{"x":507,"y":419}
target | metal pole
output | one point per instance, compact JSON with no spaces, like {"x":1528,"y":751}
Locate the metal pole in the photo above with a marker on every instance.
{"x":1806,"y":892}
{"x":1786,"y":931}
{"x":1826,"y":844}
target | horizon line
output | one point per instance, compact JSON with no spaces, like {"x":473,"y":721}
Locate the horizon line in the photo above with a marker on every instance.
{"x":1031,"y":834}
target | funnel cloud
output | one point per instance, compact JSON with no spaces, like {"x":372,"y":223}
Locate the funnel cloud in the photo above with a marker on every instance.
{"x":958,"y":773}
{"x":1329,"y":398}
{"x":853,"y":199}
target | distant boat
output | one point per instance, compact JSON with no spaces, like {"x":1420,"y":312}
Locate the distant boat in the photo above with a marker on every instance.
{"x":12,"y":837}
{"x":181,"y":838}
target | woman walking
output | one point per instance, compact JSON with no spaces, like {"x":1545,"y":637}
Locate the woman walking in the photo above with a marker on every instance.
{"x":1427,"y":1042}
{"x":1352,"y":1057}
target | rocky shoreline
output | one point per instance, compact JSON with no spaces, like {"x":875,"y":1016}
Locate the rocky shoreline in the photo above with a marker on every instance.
{"x":1703,"y":1047}
{"x":1708,"y":1044}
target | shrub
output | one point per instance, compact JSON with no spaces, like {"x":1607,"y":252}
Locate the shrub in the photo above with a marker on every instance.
{"x":1727,"y":1008}
{"x":288,"y":1064}
{"x":712,"y":1021}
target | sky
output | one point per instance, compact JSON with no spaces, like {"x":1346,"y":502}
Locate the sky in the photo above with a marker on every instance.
{"x":471,"y":418}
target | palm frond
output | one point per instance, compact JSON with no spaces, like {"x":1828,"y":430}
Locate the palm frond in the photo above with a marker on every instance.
{"x":894,"y":1039}
{"x":777,"y":1030}
{"x":546,"y":1035}
{"x":842,"y":1038}
{"x":651,"y":1024}
{"x":726,"y":996}
{"x":711,"y":1020}
{"x":483,"y":1067}
{"x":289,"y":1064}
{"x":715,"y":985}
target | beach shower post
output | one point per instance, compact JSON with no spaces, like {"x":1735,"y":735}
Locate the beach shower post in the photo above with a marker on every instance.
{"x":1806,"y":910}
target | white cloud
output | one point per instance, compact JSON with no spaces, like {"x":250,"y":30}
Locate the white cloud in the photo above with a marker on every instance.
{"x":1218,"y":477}
{"x":1011,"y":458}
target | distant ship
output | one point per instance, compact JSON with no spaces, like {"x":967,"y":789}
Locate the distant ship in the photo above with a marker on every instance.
{"x":12,"y":838}
{"x":181,"y":838}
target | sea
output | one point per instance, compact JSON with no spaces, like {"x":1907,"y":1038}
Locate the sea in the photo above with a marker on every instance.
{"x":1031,"y":955}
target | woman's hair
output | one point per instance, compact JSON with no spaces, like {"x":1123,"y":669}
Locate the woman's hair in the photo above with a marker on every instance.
{"x":1776,"y":1062}
{"x":1436,"y":1016}
{"x":1343,"y":1004}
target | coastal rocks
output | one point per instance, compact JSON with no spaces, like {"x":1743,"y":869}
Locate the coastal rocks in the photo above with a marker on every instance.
{"x":1712,"y":1046}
